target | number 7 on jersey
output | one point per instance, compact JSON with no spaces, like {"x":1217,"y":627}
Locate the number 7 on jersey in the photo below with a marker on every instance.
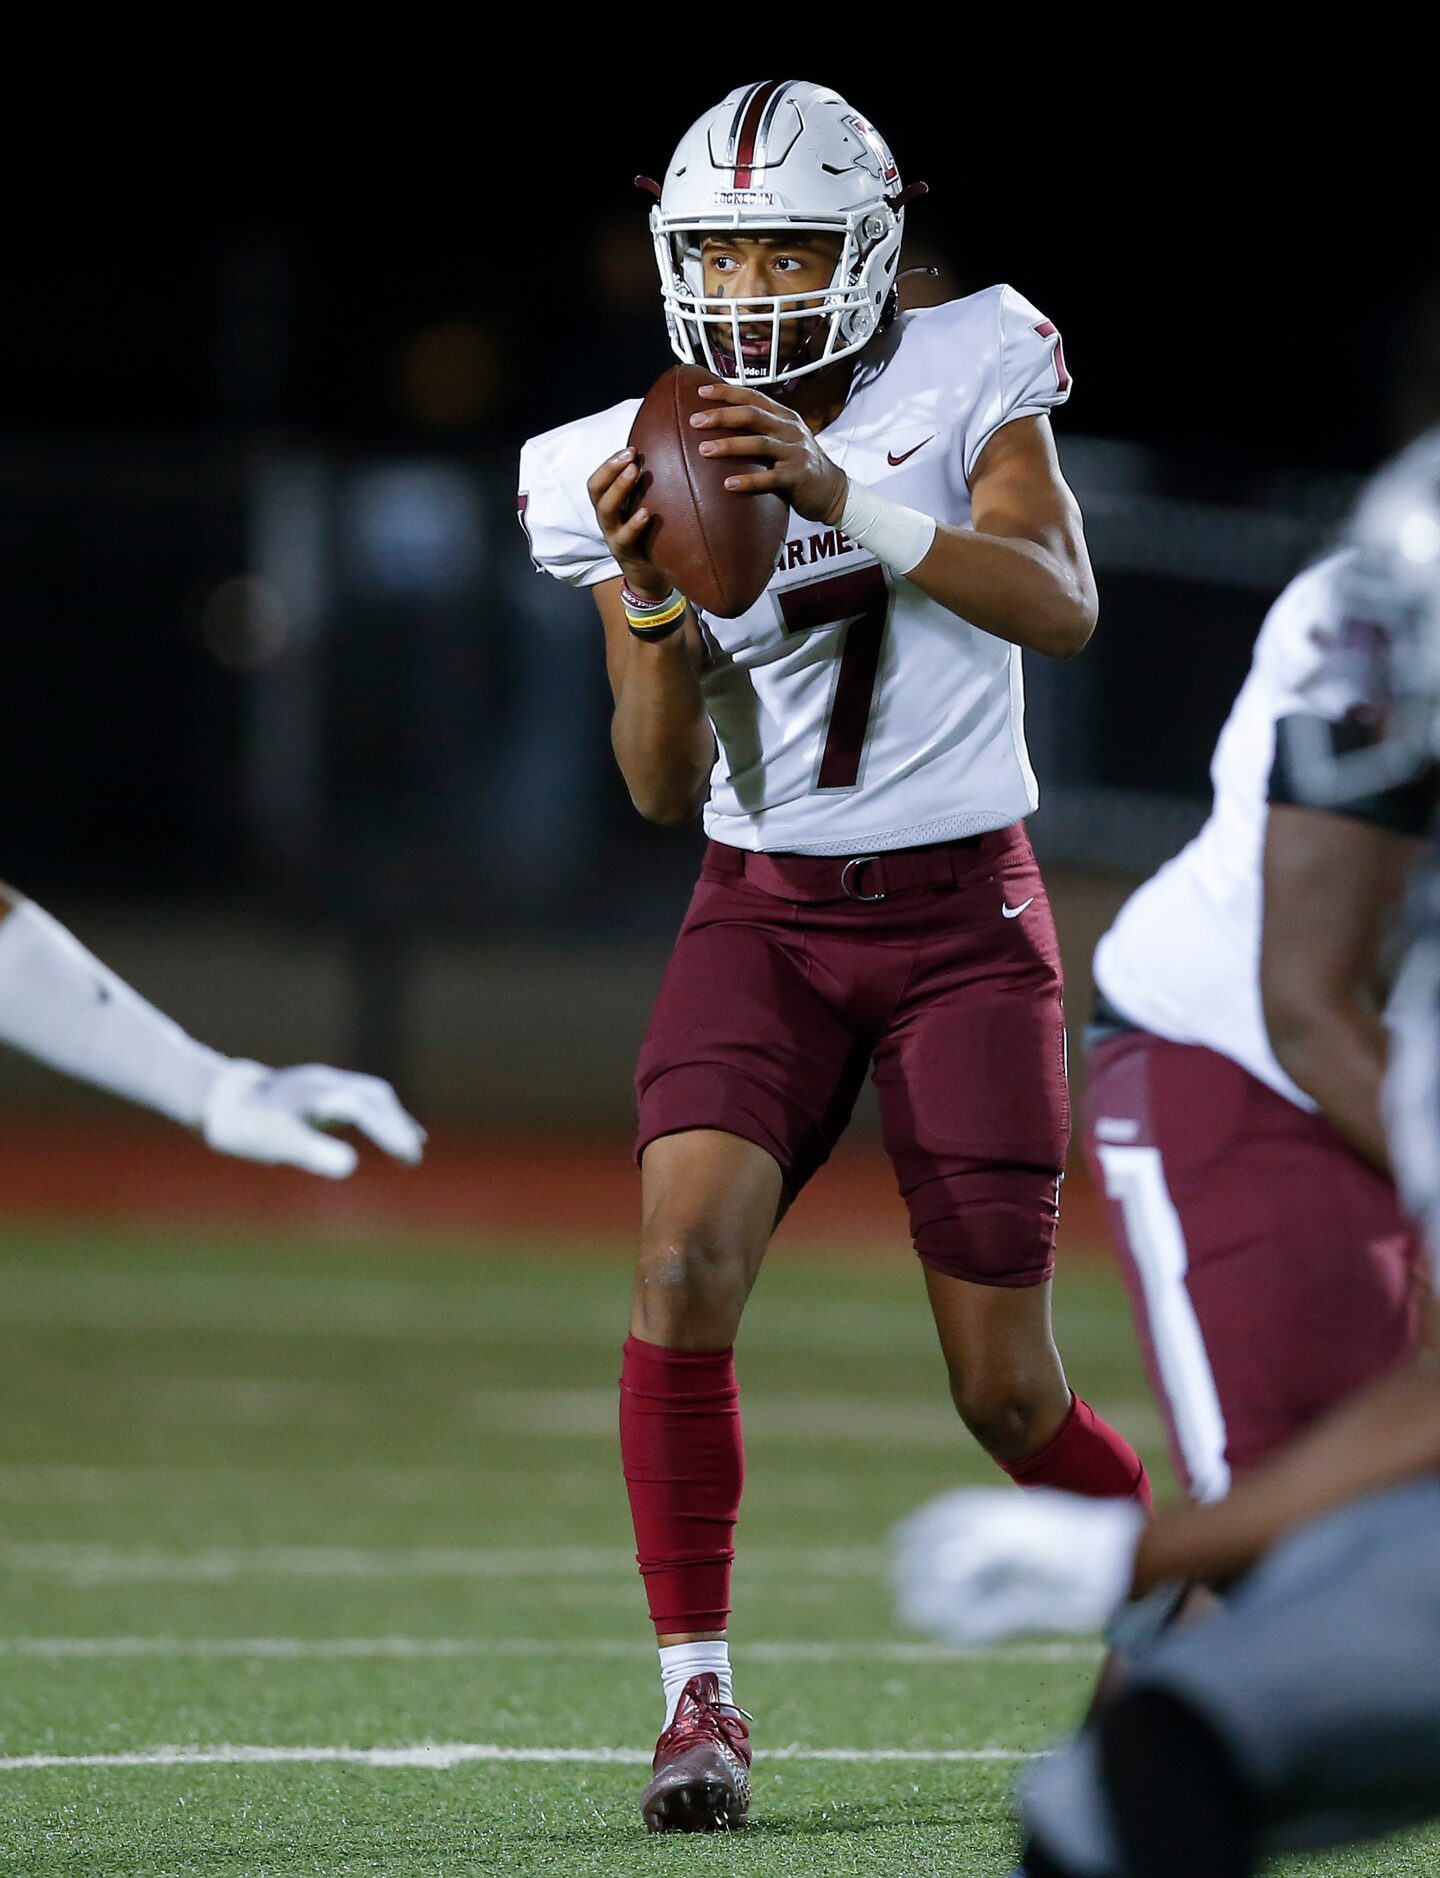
{"x":858,"y":601}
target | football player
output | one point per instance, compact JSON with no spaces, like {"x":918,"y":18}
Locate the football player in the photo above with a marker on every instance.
{"x":60,"y":1004}
{"x":1307,"y":1712}
{"x":868,"y":898}
{"x":1232,"y":1111}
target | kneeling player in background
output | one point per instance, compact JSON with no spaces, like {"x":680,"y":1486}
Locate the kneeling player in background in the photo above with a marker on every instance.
{"x":868,"y":896}
{"x":60,"y":1004}
{"x":1271,"y":1268}
{"x":1307,"y":1711}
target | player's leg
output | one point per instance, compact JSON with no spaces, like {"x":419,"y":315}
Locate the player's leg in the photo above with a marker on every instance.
{"x":1009,"y":1386}
{"x":710,"y":1201}
{"x":1307,"y":1714}
{"x":1149,"y":1791}
{"x":1270,"y":1270}
{"x":973,"y":1098}
{"x":744,"y":1080}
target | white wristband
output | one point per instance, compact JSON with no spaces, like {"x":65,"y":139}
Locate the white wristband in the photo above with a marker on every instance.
{"x":60,"y":1004}
{"x":898,"y":536}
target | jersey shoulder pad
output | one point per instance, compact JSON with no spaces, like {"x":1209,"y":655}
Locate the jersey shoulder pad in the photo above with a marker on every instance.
{"x":1302,"y":650}
{"x":553,"y":503}
{"x":1015,"y":359}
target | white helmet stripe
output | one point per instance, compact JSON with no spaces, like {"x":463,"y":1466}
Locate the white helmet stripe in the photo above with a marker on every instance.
{"x":762,"y":146}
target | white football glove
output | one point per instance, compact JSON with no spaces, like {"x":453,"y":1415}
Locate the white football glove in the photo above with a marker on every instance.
{"x":977,"y":1565}
{"x":278,"y":1115}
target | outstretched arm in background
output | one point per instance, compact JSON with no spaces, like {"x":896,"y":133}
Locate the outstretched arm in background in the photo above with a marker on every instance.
{"x":58,"y":1003}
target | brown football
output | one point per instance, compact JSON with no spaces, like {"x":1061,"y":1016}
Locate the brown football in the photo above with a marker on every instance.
{"x":717,"y":545}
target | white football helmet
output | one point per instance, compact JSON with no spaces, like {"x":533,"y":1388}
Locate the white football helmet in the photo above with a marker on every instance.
{"x":782,"y":154}
{"x":1389,"y":656}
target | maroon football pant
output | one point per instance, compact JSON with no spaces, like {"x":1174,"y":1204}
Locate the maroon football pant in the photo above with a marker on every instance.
{"x":792,"y":975}
{"x":1270,"y":1269}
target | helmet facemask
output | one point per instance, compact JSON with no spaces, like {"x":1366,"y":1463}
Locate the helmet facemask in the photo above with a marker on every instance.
{"x":706,"y":329}
{"x":1387,"y":651}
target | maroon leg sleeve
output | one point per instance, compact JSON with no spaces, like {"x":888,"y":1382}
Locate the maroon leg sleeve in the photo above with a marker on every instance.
{"x":1085,"y":1456}
{"x":684,"y":1463}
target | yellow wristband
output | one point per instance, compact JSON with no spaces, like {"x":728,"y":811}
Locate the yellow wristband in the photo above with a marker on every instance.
{"x":642,"y":624}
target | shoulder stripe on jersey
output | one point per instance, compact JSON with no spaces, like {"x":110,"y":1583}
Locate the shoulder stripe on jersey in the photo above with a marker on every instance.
{"x":1047,"y":329}
{"x":746,"y":160}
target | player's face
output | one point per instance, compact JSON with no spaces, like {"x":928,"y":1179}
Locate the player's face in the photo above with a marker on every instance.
{"x":756,"y":267}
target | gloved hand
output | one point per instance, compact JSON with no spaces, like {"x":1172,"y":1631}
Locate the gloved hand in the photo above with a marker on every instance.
{"x":277,"y":1115}
{"x":977,"y":1565}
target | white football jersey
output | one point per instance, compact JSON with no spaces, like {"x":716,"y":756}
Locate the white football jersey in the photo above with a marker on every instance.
{"x":1183,"y":956}
{"x":852,"y":713}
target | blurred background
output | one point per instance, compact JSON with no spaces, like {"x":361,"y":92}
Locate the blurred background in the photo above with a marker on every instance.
{"x":298,"y":740}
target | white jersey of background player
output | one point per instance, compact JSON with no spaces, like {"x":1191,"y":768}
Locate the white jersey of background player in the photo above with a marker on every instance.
{"x":813,"y":757}
{"x":1183,"y":957}
{"x":58,"y":1003}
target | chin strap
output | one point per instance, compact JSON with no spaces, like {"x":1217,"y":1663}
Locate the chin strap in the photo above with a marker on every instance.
{"x":648,"y":186}
{"x":912,"y":192}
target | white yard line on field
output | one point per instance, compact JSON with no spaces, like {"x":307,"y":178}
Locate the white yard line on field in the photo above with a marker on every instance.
{"x":445,"y":1755}
{"x":286,"y":1649}
{"x":92,"y":1563}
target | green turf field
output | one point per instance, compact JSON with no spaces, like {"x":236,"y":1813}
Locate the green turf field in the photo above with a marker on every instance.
{"x":333,"y":1500}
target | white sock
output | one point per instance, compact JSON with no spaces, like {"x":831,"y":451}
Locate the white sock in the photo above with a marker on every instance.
{"x":680,"y":1661}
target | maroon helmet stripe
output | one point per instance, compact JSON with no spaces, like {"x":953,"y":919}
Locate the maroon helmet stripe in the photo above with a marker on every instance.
{"x":1047,"y":330}
{"x":750,"y":131}
{"x":738,"y":120}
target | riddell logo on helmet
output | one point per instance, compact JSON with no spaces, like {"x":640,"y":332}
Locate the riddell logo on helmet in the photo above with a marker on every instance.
{"x":745,"y":199}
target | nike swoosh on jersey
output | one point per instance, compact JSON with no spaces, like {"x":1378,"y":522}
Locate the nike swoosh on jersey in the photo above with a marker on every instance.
{"x":1014,"y":912}
{"x":895,"y":461}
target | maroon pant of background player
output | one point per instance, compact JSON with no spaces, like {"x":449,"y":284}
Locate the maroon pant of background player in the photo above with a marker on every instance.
{"x":791,"y":977}
{"x":1270,"y":1268}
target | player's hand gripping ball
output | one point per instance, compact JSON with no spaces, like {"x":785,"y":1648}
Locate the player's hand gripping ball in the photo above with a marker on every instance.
{"x":669,"y":517}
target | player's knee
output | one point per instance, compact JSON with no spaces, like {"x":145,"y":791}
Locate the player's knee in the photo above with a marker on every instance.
{"x":1002,"y":1409}
{"x":688,"y":1280}
{"x":988,"y":1226}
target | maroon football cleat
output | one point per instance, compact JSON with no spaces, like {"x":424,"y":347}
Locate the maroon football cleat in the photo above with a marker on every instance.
{"x":702,"y":1765}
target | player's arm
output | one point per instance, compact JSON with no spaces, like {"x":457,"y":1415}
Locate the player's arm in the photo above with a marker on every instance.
{"x":1022,"y":571}
{"x":58,"y":1003}
{"x":1333,"y":883}
{"x":660,"y":730}
{"x":1381,"y":1438}
{"x":985,"y":1563}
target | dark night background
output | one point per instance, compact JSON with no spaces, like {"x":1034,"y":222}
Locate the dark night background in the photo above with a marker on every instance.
{"x":358,"y":275}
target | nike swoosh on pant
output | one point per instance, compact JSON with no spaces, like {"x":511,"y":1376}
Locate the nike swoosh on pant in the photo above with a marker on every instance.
{"x":1014,"y":912}
{"x":895,"y":461}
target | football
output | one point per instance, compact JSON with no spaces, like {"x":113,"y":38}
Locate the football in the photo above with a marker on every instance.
{"x":717,"y":545}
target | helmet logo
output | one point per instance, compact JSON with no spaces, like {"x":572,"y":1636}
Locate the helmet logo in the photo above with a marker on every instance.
{"x":875,"y":159}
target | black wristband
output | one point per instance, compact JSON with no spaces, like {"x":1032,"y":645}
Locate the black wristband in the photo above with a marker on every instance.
{"x":654,"y":634}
